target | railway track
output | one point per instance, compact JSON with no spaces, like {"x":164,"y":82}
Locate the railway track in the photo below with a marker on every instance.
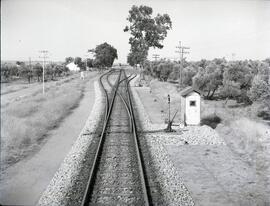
{"x":117,"y":175}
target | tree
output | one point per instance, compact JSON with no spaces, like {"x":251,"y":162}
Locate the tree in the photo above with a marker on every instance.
{"x":259,"y":89}
{"x":20,"y":63}
{"x":8,"y":70}
{"x":69,"y":60}
{"x":89,"y":62}
{"x":136,"y":57}
{"x":203,"y":63}
{"x":188,"y":73}
{"x":237,"y":76}
{"x":78,"y":61}
{"x":38,"y":70}
{"x":5,"y":72}
{"x":105,"y":54}
{"x":208,"y":79}
{"x":146,"y":32}
{"x":27,"y":72}
{"x":264,"y":71}
{"x":230,"y":89}
{"x":260,"y":94}
{"x":50,"y":71}
{"x":59,"y":69}
{"x":164,"y":69}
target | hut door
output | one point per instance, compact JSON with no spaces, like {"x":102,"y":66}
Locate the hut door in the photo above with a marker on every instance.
{"x":192,"y":113}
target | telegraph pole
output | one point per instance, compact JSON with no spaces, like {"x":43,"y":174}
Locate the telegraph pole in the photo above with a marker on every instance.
{"x":181,"y":51}
{"x":233,"y":56}
{"x":30,"y":63}
{"x":91,"y":52}
{"x":44,"y":56}
{"x":155,"y":56}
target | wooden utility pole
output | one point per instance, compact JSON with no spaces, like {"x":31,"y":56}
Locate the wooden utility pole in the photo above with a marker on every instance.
{"x":181,"y":51}
{"x":44,"y":56}
{"x":30,"y":65}
{"x":156,"y":56}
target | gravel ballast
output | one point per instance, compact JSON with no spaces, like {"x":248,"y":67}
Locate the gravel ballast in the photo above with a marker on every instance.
{"x":173,"y":190}
{"x":67,"y":185}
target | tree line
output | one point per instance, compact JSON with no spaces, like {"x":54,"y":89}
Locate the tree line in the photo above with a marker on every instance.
{"x":104,"y":56}
{"x":31,"y":72}
{"x":244,"y":81}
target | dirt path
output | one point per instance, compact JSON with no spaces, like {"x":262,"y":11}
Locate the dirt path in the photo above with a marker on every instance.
{"x":24,"y":182}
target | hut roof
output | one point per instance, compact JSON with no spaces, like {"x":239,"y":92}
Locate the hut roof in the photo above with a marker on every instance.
{"x":188,"y":90}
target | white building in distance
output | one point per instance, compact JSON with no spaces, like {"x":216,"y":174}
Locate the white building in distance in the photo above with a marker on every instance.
{"x":73,"y":67}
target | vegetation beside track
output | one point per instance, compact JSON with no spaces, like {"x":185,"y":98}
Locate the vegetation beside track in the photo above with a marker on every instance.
{"x":247,"y":82}
{"x":25,"y":123}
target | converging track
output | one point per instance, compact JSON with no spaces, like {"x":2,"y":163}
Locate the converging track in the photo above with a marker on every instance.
{"x":117,"y":175}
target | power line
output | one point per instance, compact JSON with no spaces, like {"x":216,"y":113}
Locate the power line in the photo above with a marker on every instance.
{"x":44,"y":56}
{"x":181,"y":51}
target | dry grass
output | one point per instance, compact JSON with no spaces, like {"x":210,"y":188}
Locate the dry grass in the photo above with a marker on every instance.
{"x":250,"y":140}
{"x":245,"y":136}
{"x":5,"y":89}
{"x":161,"y":91}
{"x":25,"y":124}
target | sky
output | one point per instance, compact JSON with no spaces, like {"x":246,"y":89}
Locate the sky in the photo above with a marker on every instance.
{"x":234,"y":29}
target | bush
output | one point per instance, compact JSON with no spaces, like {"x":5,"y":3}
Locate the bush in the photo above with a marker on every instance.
{"x":211,"y":120}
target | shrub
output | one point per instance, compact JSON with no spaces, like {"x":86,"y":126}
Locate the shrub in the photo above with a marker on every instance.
{"x":211,"y":120}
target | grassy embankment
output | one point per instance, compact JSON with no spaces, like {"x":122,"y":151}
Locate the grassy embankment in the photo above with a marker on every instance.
{"x":25,"y":123}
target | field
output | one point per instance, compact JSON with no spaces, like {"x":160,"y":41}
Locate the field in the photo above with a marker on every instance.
{"x":27,"y":115}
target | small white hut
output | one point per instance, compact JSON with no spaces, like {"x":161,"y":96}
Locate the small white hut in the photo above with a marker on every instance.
{"x":73,"y":67}
{"x":190,"y":106}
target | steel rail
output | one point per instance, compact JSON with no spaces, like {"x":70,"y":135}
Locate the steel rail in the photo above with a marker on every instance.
{"x":89,"y":187}
{"x":106,"y":94}
{"x":123,"y":100}
{"x":129,"y":108}
{"x":146,"y":191}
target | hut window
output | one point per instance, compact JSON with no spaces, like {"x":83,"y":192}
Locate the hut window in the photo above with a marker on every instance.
{"x":192,"y":103}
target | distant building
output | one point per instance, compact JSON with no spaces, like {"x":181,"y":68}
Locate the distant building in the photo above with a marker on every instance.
{"x":190,"y":106}
{"x":73,"y":67}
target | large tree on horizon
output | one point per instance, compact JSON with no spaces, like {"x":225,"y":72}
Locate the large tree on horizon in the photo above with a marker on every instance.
{"x":105,"y":54}
{"x":146,"y":32}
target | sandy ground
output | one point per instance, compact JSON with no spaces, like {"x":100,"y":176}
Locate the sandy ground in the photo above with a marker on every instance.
{"x":23,"y":183}
{"x":214,"y":175}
